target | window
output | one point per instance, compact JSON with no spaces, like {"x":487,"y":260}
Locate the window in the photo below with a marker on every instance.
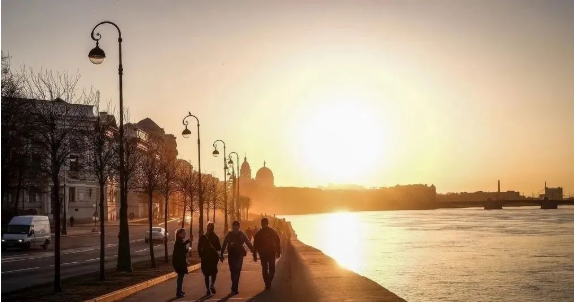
{"x":72,"y":193}
{"x":74,"y":163}
{"x":32,"y":197}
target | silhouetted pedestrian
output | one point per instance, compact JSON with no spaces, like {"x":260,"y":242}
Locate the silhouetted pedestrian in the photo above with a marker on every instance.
{"x":179,"y":260}
{"x":208,"y":249}
{"x":234,"y":242}
{"x":72,"y":221}
{"x":268,"y":245}
{"x":249,"y":233}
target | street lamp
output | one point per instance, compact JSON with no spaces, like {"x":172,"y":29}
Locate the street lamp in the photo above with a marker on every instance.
{"x":216,"y":154}
{"x":237,"y":179}
{"x":97,"y":56}
{"x":186,"y":134}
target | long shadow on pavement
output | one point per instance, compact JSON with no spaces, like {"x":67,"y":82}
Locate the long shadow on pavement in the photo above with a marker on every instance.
{"x":224,"y":299}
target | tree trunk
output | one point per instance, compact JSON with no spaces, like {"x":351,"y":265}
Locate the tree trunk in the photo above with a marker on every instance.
{"x":214,"y":199}
{"x":18,"y":189}
{"x":152,"y":257}
{"x":124,"y":255}
{"x":56,"y":212}
{"x":191,"y":223}
{"x":102,"y":232}
{"x":184,"y":207}
{"x":165,"y":224}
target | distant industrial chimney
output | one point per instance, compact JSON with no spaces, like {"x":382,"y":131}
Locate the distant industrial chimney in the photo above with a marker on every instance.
{"x":499,"y":186}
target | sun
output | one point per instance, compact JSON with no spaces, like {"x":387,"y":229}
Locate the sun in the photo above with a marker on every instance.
{"x":343,"y":141}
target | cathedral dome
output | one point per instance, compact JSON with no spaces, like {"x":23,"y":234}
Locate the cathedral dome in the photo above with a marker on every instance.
{"x":265,"y":177}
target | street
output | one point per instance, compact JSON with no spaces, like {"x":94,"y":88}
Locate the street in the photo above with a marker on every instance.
{"x":79,"y":255}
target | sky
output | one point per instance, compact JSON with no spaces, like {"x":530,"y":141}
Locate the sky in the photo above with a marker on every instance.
{"x":458,"y":94}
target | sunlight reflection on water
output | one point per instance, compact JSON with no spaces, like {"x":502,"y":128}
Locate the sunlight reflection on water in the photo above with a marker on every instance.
{"x":520,"y":254}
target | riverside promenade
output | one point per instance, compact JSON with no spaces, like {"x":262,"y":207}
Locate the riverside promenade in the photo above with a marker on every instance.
{"x":303,"y":273}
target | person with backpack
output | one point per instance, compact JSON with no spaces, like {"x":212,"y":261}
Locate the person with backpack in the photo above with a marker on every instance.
{"x":268,"y":245}
{"x":179,"y":260}
{"x":234,"y":242}
{"x":208,"y":249}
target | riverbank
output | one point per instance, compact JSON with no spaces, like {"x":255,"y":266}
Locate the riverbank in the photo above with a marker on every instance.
{"x":318,"y":277}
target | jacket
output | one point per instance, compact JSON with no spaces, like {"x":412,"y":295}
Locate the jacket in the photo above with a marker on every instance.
{"x":179,"y":257}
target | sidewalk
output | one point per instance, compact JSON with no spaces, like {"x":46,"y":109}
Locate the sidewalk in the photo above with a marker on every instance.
{"x":303,"y":274}
{"x":80,"y":230}
{"x":251,"y":286}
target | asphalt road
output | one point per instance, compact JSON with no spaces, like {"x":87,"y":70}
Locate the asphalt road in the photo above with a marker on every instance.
{"x":79,"y":255}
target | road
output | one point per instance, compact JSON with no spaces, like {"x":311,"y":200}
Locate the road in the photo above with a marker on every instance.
{"x":79,"y":255}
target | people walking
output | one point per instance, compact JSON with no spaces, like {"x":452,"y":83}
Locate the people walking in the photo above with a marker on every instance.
{"x":249,"y":233}
{"x":234,"y":242}
{"x":208,"y":249}
{"x":179,"y":260}
{"x":268,"y":245}
{"x":72,"y":221}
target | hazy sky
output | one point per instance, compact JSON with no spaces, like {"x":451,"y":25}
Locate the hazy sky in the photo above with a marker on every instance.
{"x":455,"y":93}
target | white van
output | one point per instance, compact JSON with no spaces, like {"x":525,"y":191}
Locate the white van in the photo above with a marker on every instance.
{"x":27,"y":231}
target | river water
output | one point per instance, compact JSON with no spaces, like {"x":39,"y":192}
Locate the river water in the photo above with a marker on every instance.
{"x":518,"y":254}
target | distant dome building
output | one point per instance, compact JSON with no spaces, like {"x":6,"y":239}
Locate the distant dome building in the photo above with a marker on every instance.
{"x":264,"y":177}
{"x":245,"y":172}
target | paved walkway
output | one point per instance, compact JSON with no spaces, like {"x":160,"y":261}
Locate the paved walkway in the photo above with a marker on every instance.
{"x":251,"y":287}
{"x":303,"y":274}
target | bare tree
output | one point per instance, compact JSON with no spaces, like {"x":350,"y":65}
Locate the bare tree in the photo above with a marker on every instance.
{"x":215,"y":196}
{"x":15,"y":133}
{"x":183,"y":180}
{"x":101,"y":143}
{"x":245,"y":204}
{"x":60,"y":118}
{"x":147,"y":181}
{"x":167,"y":169}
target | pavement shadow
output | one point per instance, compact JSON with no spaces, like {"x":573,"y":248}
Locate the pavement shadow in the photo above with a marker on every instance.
{"x":226,"y":297}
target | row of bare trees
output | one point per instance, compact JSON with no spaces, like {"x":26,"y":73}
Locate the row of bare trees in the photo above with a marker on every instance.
{"x":49,"y":128}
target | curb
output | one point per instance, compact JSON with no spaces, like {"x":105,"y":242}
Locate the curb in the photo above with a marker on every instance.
{"x":128,"y":291}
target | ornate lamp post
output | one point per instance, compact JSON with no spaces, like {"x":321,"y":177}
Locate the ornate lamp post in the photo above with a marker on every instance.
{"x":215,"y":154}
{"x":97,"y":56}
{"x":186,"y":134}
{"x":237,"y":179}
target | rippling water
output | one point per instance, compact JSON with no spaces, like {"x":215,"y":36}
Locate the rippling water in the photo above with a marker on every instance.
{"x":519,"y":254}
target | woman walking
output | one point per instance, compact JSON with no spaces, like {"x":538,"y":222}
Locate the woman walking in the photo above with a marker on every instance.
{"x":208,"y":249}
{"x":179,"y":259}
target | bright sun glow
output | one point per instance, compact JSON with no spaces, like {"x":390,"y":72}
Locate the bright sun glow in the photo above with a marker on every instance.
{"x":343,"y":141}
{"x":342,"y":240}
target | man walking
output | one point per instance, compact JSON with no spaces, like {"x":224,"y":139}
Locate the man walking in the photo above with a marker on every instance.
{"x":234,"y":242}
{"x":268,"y":245}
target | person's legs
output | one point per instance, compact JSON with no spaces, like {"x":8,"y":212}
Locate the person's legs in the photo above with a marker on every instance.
{"x":271,"y":265}
{"x":206,"y":280}
{"x":239,"y":266}
{"x":179,"y":289}
{"x":265,"y":269}
{"x":232,"y":261}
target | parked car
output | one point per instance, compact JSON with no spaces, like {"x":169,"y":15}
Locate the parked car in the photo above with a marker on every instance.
{"x":157,"y":234}
{"x":27,"y":231}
